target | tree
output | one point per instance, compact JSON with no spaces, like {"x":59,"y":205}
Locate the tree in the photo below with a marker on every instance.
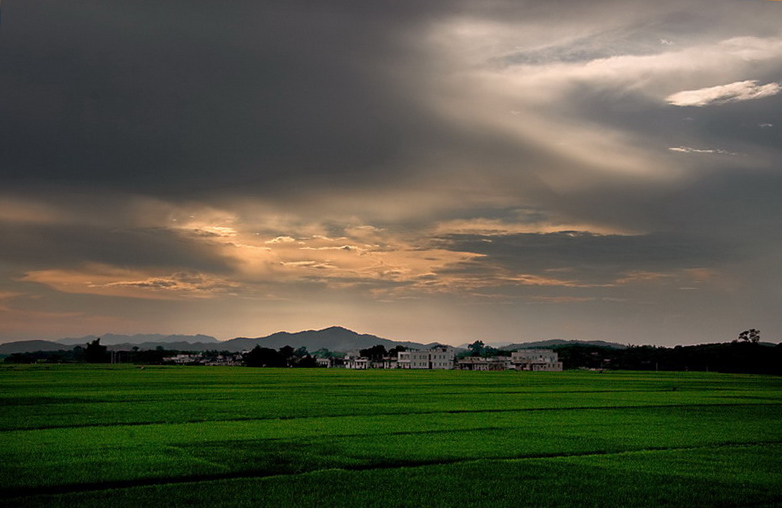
{"x":374,"y":353}
{"x":95,"y":353}
{"x":752,"y":335}
{"x":476,"y":348}
{"x":287,"y":351}
{"x":263,"y":357}
{"x":307,"y":361}
{"x":324,"y":353}
{"x":394,"y":351}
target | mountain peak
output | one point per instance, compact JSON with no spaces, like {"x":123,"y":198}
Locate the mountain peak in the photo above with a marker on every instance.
{"x":337,"y":329}
{"x":333,"y":338}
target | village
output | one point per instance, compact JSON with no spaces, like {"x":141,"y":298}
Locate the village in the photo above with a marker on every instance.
{"x":435,"y":358}
{"x":444,"y":357}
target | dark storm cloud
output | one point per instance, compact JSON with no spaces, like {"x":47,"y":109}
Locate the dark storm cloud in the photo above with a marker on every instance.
{"x":196,"y":97}
{"x":741,"y":207}
{"x":586,"y":257}
{"x":192,"y":96}
{"x":43,"y":246}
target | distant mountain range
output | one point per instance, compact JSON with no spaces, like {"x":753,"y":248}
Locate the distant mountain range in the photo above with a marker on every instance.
{"x":111,"y":339}
{"x":335,"y":338}
{"x":115,"y":342}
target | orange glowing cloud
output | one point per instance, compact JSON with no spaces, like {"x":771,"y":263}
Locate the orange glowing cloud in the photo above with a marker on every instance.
{"x":111,"y":281}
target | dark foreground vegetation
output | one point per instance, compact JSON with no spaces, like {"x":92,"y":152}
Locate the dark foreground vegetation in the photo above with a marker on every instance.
{"x":122,"y":436}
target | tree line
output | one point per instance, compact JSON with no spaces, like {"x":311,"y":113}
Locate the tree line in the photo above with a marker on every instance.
{"x":95,"y":352}
{"x":286,"y":356}
{"x":746,"y":354}
{"x":731,"y":357}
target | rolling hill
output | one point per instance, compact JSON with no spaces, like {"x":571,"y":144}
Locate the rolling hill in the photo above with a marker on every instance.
{"x":111,"y":339}
{"x":30,"y":346}
{"x":334,"y":338}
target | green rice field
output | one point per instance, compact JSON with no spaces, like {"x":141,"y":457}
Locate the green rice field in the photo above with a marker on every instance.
{"x":122,"y":436}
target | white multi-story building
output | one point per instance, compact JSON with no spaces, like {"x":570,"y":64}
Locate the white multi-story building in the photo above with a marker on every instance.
{"x":536,"y":359}
{"x":442,"y":357}
{"x":420,"y":360}
{"x":439,"y":357}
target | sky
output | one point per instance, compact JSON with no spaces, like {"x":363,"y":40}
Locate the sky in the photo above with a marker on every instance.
{"x":443,"y":171}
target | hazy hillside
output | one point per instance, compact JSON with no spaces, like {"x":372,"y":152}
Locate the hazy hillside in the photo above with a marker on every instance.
{"x":111,"y":339}
{"x":334,"y":339}
{"x":559,"y":342}
{"x":29,"y":346}
{"x":176,"y":346}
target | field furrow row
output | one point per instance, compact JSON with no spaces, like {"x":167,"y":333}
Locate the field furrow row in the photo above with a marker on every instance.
{"x":11,"y":494}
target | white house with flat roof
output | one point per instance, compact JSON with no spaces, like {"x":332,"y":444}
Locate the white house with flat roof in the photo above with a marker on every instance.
{"x":536,"y":360}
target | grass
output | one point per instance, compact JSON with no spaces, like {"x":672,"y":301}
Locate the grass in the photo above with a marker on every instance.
{"x":91,"y":436}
